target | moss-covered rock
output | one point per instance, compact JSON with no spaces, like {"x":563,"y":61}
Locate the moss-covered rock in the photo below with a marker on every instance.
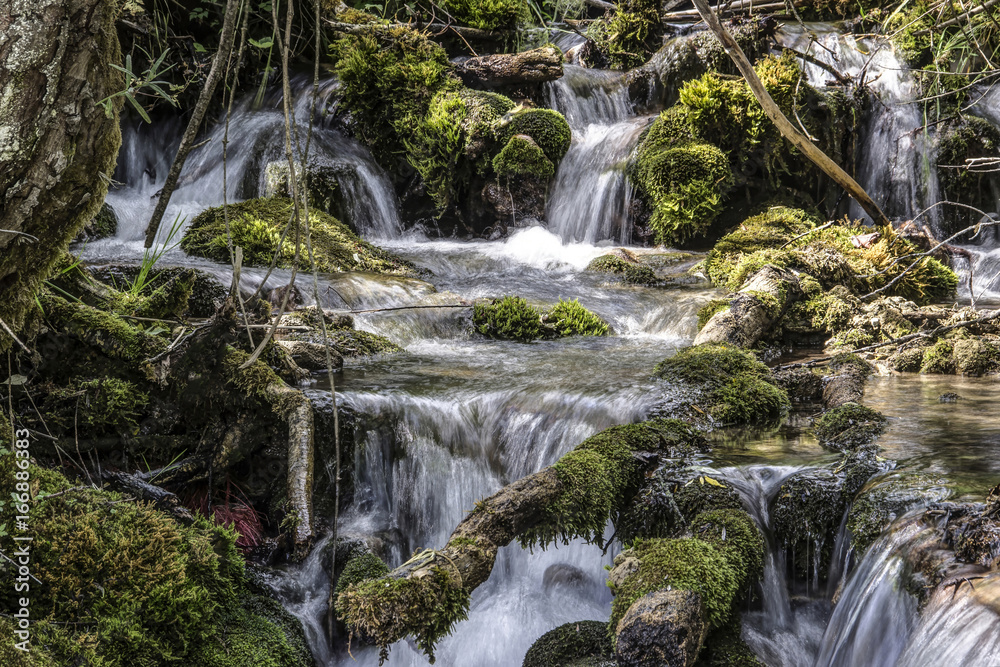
{"x":361,"y":568}
{"x":102,"y":405}
{"x":681,"y":564}
{"x":629,"y":36}
{"x":171,"y":595}
{"x":965,"y":356}
{"x":548,"y":128}
{"x":734,"y":533}
{"x":888,"y":497}
{"x":101,"y":226}
{"x":849,"y":426}
{"x":600,"y":476}
{"x":566,"y":645}
{"x":523,"y":157}
{"x":569,"y":318}
{"x":259,"y":225}
{"x":808,"y":509}
{"x":488,"y":14}
{"x":734,"y":387}
{"x":629,"y":271}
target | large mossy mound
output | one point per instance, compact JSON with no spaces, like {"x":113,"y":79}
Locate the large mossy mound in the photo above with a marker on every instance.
{"x":628,"y":270}
{"x":734,"y":387}
{"x":717,"y":137}
{"x":170,"y":594}
{"x":569,"y":318}
{"x":360,"y":568}
{"x":627,"y":37}
{"x":408,"y":105}
{"x":790,"y":238}
{"x":566,"y":645}
{"x":259,"y":227}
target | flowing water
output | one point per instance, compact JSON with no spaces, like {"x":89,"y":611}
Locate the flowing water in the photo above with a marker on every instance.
{"x":455,"y":417}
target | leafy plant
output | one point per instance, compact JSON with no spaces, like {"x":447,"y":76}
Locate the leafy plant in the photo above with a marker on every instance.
{"x":136,"y":83}
{"x":569,"y":318}
{"x":150,"y":256}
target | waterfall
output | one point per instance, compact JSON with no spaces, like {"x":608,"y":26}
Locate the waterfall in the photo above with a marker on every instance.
{"x":591,"y":195}
{"x":256,"y":138}
{"x":896,"y":160}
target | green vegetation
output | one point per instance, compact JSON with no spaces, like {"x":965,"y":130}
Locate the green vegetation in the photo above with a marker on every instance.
{"x":631,"y":272}
{"x":547,"y":127}
{"x":602,"y":474}
{"x":706,"y":312}
{"x":734,"y":386}
{"x":507,"y":318}
{"x":171,"y":594}
{"x":488,"y":14}
{"x":960,"y":355}
{"x":569,"y":318}
{"x":887,"y":498}
{"x":103,"y":405}
{"x":566,"y":645}
{"x":360,"y":568}
{"x":258,"y":226}
{"x":523,"y":157}
{"x":734,"y":533}
{"x":682,"y":564}
{"x":512,"y":318}
{"x":629,"y":36}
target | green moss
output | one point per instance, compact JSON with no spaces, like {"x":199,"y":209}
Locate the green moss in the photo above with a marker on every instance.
{"x":430,"y":605}
{"x":436,"y":144}
{"x":103,"y":405}
{"x":849,"y":426}
{"x":568,"y":643}
{"x":547,"y":127}
{"x":808,"y":509}
{"x":600,"y":476}
{"x":938,"y":358}
{"x":507,"y":318}
{"x":975,"y":357}
{"x":361,"y":568}
{"x":170,"y":595}
{"x":630,"y":272}
{"x":724,"y":647}
{"x":388,"y":77}
{"x":170,"y":299}
{"x":523,"y":157}
{"x":681,"y":564}
{"x":736,"y":388}
{"x":257,"y":226}
{"x":629,"y":36}
{"x":488,"y":14}
{"x":351,"y":342}
{"x":889,"y":497}
{"x":706,"y":312}
{"x":569,"y":318}
{"x":734,"y":533}
{"x":685,"y":185}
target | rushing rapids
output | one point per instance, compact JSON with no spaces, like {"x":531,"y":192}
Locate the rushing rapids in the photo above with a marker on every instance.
{"x":456,"y":417}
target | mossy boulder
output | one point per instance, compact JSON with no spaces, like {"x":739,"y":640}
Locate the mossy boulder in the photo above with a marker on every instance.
{"x":627,"y":269}
{"x":259,"y":227}
{"x":361,"y":568}
{"x":546,"y":127}
{"x":960,"y":355}
{"x":849,"y":426}
{"x":888,"y":497}
{"x":806,"y":513}
{"x":627,"y":37}
{"x":566,"y":645}
{"x":732,"y":386}
{"x":172,"y":594}
{"x":523,"y":157}
{"x":101,"y":226}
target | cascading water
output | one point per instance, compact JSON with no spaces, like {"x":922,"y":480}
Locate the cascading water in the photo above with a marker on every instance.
{"x":896,"y":162}
{"x":591,"y":195}
{"x":256,"y":139}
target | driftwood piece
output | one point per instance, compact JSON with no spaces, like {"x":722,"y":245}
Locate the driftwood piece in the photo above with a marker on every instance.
{"x":505,"y":69}
{"x":143,"y":490}
{"x":752,"y":311}
{"x":785,"y":126}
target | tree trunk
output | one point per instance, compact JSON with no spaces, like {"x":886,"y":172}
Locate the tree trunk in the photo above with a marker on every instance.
{"x":753,"y":310}
{"x":57,"y":144}
{"x":505,"y":69}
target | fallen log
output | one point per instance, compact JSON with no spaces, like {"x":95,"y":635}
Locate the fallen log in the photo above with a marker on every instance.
{"x":428,"y":594}
{"x":506,"y":69}
{"x":163,"y":500}
{"x":752,"y":311}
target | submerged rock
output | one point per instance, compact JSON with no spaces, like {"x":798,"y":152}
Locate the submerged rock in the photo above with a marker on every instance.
{"x":570,"y":643}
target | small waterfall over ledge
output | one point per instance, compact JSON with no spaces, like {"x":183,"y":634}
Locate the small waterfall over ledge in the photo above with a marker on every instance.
{"x":591,"y":195}
{"x":256,"y":139}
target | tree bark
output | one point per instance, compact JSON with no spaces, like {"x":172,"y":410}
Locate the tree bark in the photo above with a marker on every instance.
{"x":505,"y":69}
{"x":57,"y":144}
{"x":799,"y":140}
{"x":753,"y":310}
